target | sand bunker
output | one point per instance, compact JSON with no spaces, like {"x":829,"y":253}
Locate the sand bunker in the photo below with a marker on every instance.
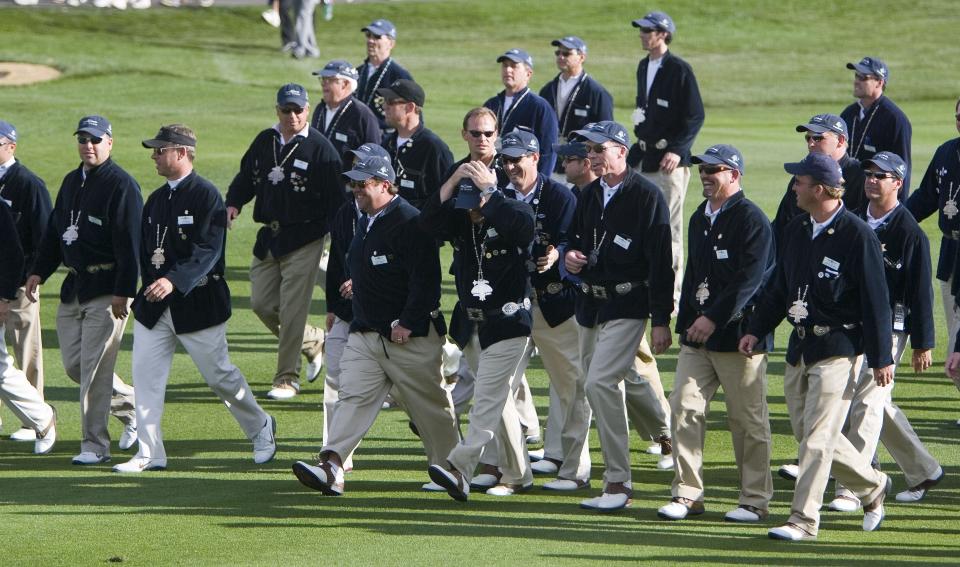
{"x":25,"y":73}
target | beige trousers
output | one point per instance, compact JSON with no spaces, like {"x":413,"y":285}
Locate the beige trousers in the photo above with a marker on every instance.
{"x":494,"y":413}
{"x":335,"y":341}
{"x":89,"y":338}
{"x":153,"y":351}
{"x":24,"y":400}
{"x":818,"y":399}
{"x":674,"y":188}
{"x":280,"y":294}
{"x":950,"y":312}
{"x":23,"y":335}
{"x":370,"y":366}
{"x":646,"y":402}
{"x":700,"y":373}
{"x":608,"y":352}
{"x":526,"y":407}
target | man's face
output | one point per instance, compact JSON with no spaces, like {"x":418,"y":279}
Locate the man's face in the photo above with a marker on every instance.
{"x":577,"y":169}
{"x":569,"y":61}
{"x":522,"y":170}
{"x":480,"y":135}
{"x":379,"y":46}
{"x":605,"y":158}
{"x":293,"y":118}
{"x":335,"y":90}
{"x":166,"y":159}
{"x":866,"y":86}
{"x":715,"y":178}
{"x":821,"y":143}
{"x":7,"y":149}
{"x":514,"y":76}
{"x":367,"y":192}
{"x":93,"y":150}
{"x":652,"y":38}
{"x":879,"y":185}
{"x":395,"y":110}
{"x":806,"y":189}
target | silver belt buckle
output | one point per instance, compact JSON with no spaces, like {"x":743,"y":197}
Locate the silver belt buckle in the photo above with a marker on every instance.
{"x":274,"y":226}
{"x":203,"y":281}
{"x":820,"y":330}
{"x":435,"y":313}
{"x":801,"y":333}
{"x":585,"y":288}
{"x":642,"y":144}
{"x":554,"y":287}
{"x":599,"y":291}
{"x":624,"y":288}
{"x":510,"y":308}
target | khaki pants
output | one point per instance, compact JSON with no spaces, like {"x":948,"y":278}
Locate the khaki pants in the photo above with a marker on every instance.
{"x":646,"y":403}
{"x":950,"y":312}
{"x":875,"y":418}
{"x":607,"y":353}
{"x":674,"y":188}
{"x":324,"y":260}
{"x":23,"y":335}
{"x":494,"y":414}
{"x":818,"y":399}
{"x":89,"y":338}
{"x":24,"y":400}
{"x":280,"y":294}
{"x":526,"y":408}
{"x":568,"y":422}
{"x":152,"y":356}
{"x":370,"y":366}
{"x":335,"y":341}
{"x":700,"y":373}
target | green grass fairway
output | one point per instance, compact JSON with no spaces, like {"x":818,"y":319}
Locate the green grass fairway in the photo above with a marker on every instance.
{"x":763,"y":67}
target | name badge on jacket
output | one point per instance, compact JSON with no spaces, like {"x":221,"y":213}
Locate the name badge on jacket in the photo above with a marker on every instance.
{"x":340,"y":137}
{"x":94,"y":220}
{"x":184,"y":219}
{"x":378,"y":260}
{"x":663,"y":103}
{"x":300,"y":164}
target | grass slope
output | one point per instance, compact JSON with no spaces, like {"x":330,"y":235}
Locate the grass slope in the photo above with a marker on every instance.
{"x":763,"y":68}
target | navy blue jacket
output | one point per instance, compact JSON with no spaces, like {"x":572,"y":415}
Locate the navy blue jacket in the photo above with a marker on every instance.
{"x":395,"y":268}
{"x":502,"y":243}
{"x":906,"y":263}
{"x":421,"y":164}
{"x":29,"y":202}
{"x":106,"y":207}
{"x":884,"y":128}
{"x":191,"y":222}
{"x":632,"y":235}
{"x":853,"y":196}
{"x":553,"y":208}
{"x":588,"y":102}
{"x":295,"y":211}
{"x":353,"y":125}
{"x":674,"y":112}
{"x":11,"y":255}
{"x":388,"y":72}
{"x":734,"y":258}
{"x":342,"y":229}
{"x":533,"y":113}
{"x":940,"y":183}
{"x":836,"y":274}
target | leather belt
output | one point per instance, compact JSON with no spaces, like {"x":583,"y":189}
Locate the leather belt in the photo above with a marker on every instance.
{"x":94,"y":268}
{"x":477,"y":315}
{"x":660,"y":144}
{"x":276,"y":226}
{"x":206,"y":279}
{"x":952,"y":235}
{"x":605,"y":291}
{"x":821,"y":330}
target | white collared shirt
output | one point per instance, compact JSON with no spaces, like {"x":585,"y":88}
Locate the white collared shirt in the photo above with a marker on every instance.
{"x":710,"y":213}
{"x":818,"y":227}
{"x":172,"y":183}
{"x":401,"y":141}
{"x":507,"y":103}
{"x":874,"y":223}
{"x":305,"y":132}
{"x":608,"y":191}
{"x":528,"y":198}
{"x":380,"y":212}
{"x":564,"y":89}
{"x":328,"y":114}
{"x":652,"y":67}
{"x":6,"y":166}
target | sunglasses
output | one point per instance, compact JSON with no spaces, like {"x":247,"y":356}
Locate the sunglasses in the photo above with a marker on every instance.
{"x":568,"y":159}
{"x":562,"y":53}
{"x":354,"y":184}
{"x":598,"y":148}
{"x":815,"y":138}
{"x":159,"y":151}
{"x":374,"y":36}
{"x":484,"y":133}
{"x":713,"y":169}
{"x":84,"y":140}
{"x":861,"y":77}
{"x":290,"y":109}
{"x":511,"y":160}
{"x":648,"y":30}
{"x":879,"y":175}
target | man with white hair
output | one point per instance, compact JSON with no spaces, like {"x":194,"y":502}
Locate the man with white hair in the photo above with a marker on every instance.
{"x":342,"y":118}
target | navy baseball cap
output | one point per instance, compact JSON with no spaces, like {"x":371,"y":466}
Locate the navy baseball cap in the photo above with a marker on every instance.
{"x":721,"y":154}
{"x":518,"y":56}
{"x":821,"y":167}
{"x":404,"y":89}
{"x":889,"y":162}
{"x":574,"y":148}
{"x":381,"y":27}
{"x":871,"y":66}
{"x":825,"y":123}
{"x":340,"y":69}
{"x":519,"y":143}
{"x":167,"y":137}
{"x":95,"y":125}
{"x":8,"y":131}
{"x":292,"y":93}
{"x":656,"y":20}
{"x":604,"y":131}
{"x":570,"y":42}
{"x":468,"y":195}
{"x":371,"y":166}
{"x":367,"y":150}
